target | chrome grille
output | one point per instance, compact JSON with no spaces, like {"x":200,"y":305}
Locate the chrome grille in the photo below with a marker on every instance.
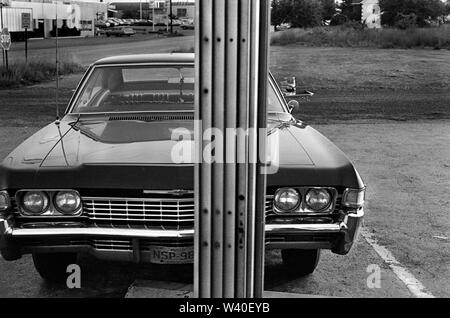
{"x":109,"y":243}
{"x":149,"y":211}
{"x":113,"y":244}
{"x":269,"y":205}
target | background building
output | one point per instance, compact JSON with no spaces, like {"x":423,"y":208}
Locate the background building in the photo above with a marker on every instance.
{"x":73,"y":18}
{"x":370,"y":12}
{"x":144,"y":9}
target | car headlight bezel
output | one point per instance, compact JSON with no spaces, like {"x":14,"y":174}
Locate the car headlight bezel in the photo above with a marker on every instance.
{"x":44,"y":207}
{"x":277,"y":203}
{"x":354,"y":198}
{"x":51,"y":210}
{"x":5,"y":201}
{"x":323,"y":207}
{"x":67,"y":212}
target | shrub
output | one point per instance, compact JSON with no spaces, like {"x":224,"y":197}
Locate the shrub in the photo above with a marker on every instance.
{"x":355,"y":36}
{"x":19,"y":74}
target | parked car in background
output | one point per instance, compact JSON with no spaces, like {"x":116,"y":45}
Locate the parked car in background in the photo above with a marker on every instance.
{"x":100,"y":31}
{"x":143,"y":23}
{"x":111,"y":22}
{"x":120,"y":31}
{"x":103,"y":179}
{"x":187,"y":24}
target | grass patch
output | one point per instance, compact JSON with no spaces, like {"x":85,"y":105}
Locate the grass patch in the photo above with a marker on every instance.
{"x":343,"y":36}
{"x":186,"y":49}
{"x":21,"y":74}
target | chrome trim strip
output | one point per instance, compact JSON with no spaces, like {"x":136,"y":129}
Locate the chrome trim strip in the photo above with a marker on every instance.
{"x":133,"y":233}
{"x":138,"y":199}
{"x":296,"y":228}
{"x":153,"y":233}
{"x":298,"y":245}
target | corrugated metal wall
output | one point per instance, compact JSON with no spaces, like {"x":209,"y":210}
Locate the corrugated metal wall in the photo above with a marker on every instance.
{"x":12,"y":18}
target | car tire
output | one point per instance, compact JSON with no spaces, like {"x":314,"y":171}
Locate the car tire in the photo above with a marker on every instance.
{"x":53,"y":266}
{"x":300,"y":262}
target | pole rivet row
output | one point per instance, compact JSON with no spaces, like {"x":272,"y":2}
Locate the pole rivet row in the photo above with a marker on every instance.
{"x":205,"y":211}
{"x":206,"y":91}
{"x":217,"y":245}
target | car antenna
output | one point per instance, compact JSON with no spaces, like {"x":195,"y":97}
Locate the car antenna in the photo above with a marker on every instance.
{"x":57,"y":122}
{"x":181,"y":86}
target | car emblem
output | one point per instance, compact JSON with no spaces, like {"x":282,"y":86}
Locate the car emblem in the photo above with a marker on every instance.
{"x":179,"y":192}
{"x":176,"y":192}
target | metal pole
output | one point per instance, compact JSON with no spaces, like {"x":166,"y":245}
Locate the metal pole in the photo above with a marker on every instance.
{"x":57,"y":63}
{"x":171,"y":18}
{"x":1,"y":16}
{"x":140,"y":9}
{"x":26,"y":45}
{"x":231,"y":93}
{"x":153,"y":16}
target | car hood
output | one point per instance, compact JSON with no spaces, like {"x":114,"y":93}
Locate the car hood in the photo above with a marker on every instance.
{"x":138,"y":142}
{"x":167,"y":147}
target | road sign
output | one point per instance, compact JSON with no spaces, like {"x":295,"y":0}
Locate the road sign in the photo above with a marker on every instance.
{"x":5,"y":39}
{"x":26,"y":20}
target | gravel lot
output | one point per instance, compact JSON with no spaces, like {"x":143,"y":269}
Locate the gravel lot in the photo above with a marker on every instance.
{"x":396,"y":130}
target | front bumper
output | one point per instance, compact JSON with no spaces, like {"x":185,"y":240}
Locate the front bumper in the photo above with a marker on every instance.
{"x":338,"y":237}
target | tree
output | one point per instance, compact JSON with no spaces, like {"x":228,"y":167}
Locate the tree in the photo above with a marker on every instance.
{"x":424,"y":11}
{"x":281,"y":10}
{"x":329,"y":9}
{"x":129,"y":14}
{"x":350,"y":10}
{"x":306,"y":13}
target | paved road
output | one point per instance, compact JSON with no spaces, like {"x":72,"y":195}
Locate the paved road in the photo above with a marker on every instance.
{"x":86,"y":53}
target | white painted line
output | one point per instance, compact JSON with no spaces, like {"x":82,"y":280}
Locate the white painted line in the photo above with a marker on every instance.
{"x":414,"y":285}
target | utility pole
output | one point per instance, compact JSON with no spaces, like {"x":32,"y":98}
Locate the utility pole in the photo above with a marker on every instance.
{"x":171,"y":18}
{"x":57,"y":63}
{"x":231,"y":93}
{"x":153,"y":15}
{"x":1,"y":17}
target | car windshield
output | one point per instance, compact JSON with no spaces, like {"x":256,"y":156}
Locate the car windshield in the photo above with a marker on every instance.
{"x":144,"y":89}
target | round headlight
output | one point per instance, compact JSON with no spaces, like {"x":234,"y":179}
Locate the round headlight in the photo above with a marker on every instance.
{"x":318,"y":199}
{"x":67,"y":202}
{"x":35,"y":202}
{"x":287,"y":199}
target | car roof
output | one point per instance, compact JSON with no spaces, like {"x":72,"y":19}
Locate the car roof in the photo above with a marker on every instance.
{"x":182,"y":58}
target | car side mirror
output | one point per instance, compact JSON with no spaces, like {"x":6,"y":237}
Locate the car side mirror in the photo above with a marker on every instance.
{"x":293,"y":106}
{"x":289,"y":86}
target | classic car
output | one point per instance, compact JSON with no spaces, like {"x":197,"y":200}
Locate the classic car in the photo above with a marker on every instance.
{"x":187,"y":24}
{"x":120,"y":31}
{"x":101,"y":179}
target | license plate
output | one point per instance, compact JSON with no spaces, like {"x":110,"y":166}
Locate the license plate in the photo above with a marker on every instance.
{"x":171,"y":255}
